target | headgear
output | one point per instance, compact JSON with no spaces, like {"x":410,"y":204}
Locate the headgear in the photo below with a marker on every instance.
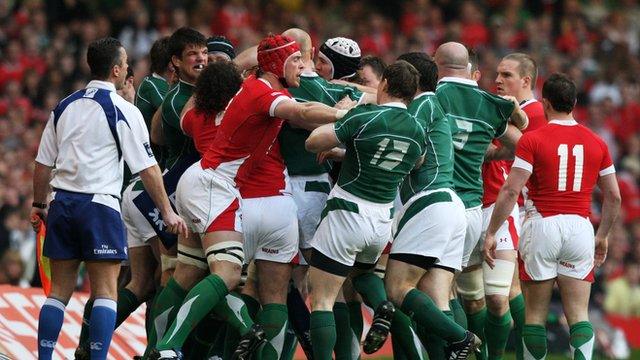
{"x":343,"y":54}
{"x":222,"y":45}
{"x":273,"y":53}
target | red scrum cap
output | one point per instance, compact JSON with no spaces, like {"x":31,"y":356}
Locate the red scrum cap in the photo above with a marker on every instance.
{"x":273,"y":53}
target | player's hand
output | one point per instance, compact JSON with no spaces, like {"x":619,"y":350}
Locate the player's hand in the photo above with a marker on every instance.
{"x":175,"y":224}
{"x":602,"y":245}
{"x":513,"y":100}
{"x":37,"y":215}
{"x":336,"y":154}
{"x":489,"y":250}
{"x":346,"y":104}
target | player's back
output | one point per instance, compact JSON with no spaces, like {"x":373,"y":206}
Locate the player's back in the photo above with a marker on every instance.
{"x":383,"y":144}
{"x":566,"y":159}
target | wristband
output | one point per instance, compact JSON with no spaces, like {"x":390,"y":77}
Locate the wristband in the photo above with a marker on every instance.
{"x":341,"y":113}
{"x":39,"y":205}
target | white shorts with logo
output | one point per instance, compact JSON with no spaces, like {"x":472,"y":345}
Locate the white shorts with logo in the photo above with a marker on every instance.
{"x":508,"y":233}
{"x":432,"y":224}
{"x":557,"y":245}
{"x":270,"y":229}
{"x":139,"y":231}
{"x":207,"y":201}
{"x":353,"y":229}
{"x":310,"y":195}
{"x":472,"y":244}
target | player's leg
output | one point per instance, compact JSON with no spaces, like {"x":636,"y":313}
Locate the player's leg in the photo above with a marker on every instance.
{"x":140,"y":288}
{"x":345,"y":349}
{"x":537,"y":295}
{"x":103,"y":275}
{"x":516,"y":307}
{"x":436,"y":283}
{"x":575,"y":302}
{"x":497,"y":284}
{"x":299,"y":315}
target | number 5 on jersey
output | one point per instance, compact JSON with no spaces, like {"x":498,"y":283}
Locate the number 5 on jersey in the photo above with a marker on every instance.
{"x":393,"y":158}
{"x":577,"y":152}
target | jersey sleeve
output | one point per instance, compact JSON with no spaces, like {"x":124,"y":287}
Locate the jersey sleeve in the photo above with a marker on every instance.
{"x":134,"y":141}
{"x":186,"y":123}
{"x":346,"y":127}
{"x":504,"y":110}
{"x":267,"y":101}
{"x":170,"y":114}
{"x":525,"y":153}
{"x":48,"y":149}
{"x":606,"y":165}
{"x":340,"y":91}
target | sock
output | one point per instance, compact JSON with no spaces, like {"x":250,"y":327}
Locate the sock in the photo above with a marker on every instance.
{"x":233,"y":336}
{"x":273,"y":318}
{"x":534,"y":338}
{"x":516,"y":307}
{"x":299,"y":317}
{"x":426,"y":314}
{"x":199,"y":301}
{"x":323,"y":334}
{"x":344,"y":334}
{"x":127,"y":303}
{"x":202,"y":337}
{"x":253,"y":305}
{"x":84,"y":331}
{"x":217,"y":347}
{"x":371,"y":288}
{"x":404,"y":338}
{"x":49,"y":325}
{"x":581,"y":340}
{"x":164,"y":310}
{"x":434,"y":345}
{"x":234,"y":311}
{"x":101,"y":327}
{"x":290,"y":342}
{"x":458,"y":313}
{"x":476,"y":325}
{"x":496,"y":332}
{"x":356,"y":322}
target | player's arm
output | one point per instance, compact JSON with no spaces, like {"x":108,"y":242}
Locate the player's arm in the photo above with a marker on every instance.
{"x":152,"y":179}
{"x":507,"y":198}
{"x":157,"y":137}
{"x":508,"y":140}
{"x":518,"y":117}
{"x":610,"y":208}
{"x":364,"y":89}
{"x":308,"y":115}
{"x":322,"y":138}
{"x":187,"y":106}
{"x":247,"y":59}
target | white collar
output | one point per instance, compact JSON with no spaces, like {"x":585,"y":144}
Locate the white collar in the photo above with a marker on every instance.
{"x":424,"y":94}
{"x":565,"y":122}
{"x":395,"y":104}
{"x":99,"y":84}
{"x":458,"y":80}
{"x":158,"y":76}
{"x":266,"y":82}
{"x":309,"y":74}
{"x":187,"y":83}
{"x":528,"y":102}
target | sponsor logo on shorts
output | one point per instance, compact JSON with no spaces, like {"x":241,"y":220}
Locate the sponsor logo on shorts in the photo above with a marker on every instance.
{"x":105,"y":250}
{"x":566,"y":264}
{"x":47,"y":344}
{"x":96,"y":345}
{"x":157,"y":220}
{"x":270,"y":251}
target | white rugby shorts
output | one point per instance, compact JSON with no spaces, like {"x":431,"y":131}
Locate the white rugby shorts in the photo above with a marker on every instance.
{"x":472,"y":237}
{"x":310,"y":195}
{"x":139,"y":231}
{"x":508,"y":233}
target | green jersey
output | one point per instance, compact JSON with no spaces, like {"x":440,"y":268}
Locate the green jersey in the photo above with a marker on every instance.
{"x":476,"y":118}
{"x":312,"y":88}
{"x":383,"y":144}
{"x":437,"y":170}
{"x":149,"y":96}
{"x":176,"y":142}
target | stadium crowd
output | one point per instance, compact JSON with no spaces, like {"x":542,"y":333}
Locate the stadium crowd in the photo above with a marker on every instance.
{"x":596,"y":42}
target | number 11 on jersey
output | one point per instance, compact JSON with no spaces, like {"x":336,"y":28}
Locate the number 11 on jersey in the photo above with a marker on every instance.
{"x":577,"y":152}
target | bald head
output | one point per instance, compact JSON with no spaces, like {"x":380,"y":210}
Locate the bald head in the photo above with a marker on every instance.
{"x":452,"y":57}
{"x":301,"y":37}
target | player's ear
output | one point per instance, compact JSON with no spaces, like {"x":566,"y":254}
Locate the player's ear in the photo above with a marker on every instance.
{"x":526,"y":82}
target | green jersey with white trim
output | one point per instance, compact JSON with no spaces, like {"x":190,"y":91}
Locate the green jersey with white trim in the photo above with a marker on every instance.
{"x":312,"y":88}
{"x":176,"y":142}
{"x":476,"y":117}
{"x":437,"y":170}
{"x":383,"y":144}
{"x":149,"y":96}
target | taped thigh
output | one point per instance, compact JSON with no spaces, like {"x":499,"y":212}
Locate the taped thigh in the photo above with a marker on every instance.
{"x":230,"y":251}
{"x":168,"y":262}
{"x":470,"y":284}
{"x":497,"y":281}
{"x":193,"y":256}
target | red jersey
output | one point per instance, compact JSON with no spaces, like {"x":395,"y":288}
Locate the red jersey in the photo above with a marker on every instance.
{"x":565,"y":160}
{"x":246,"y":133}
{"x":201,"y":128}
{"x":494,"y":173}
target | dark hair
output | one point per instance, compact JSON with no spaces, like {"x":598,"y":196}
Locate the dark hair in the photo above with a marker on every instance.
{"x":159,"y":55}
{"x":474,"y":59}
{"x":402,"y":80}
{"x":561,"y":92}
{"x":184,"y":37}
{"x":426,"y":67}
{"x":215,"y":87}
{"x":102,"y":55}
{"x":376,"y":63}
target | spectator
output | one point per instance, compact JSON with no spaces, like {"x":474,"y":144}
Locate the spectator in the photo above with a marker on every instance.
{"x":623,"y":294}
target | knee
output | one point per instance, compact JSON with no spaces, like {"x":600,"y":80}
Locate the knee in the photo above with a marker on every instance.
{"x":396,"y":291}
{"x":497,"y":304}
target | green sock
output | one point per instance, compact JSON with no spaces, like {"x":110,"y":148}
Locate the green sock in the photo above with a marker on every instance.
{"x":581,"y":340}
{"x":371,"y":288}
{"x":217,"y":347}
{"x":534,"y":338}
{"x":426,"y":314}
{"x":435,"y":345}
{"x":199,"y":301}
{"x":323,"y":334}
{"x":404,"y":339}
{"x":147,"y":315}
{"x":253,"y":305}
{"x":233,"y":336}
{"x":496,"y":331}
{"x":344,"y":334}
{"x":273,"y":318}
{"x":516,"y":307}
{"x":290,"y":344}
{"x":355,"y":319}
{"x":164,"y":311}
{"x":476,"y":325}
{"x":84,"y":331}
{"x":202,"y":337}
{"x":233,"y":310}
{"x":127,"y":303}
{"x":458,"y":313}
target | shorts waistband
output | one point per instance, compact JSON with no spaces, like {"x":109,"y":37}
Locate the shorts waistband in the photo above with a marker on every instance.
{"x":339,"y":192}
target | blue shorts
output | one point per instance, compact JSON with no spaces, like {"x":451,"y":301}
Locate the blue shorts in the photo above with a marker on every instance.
{"x":85,"y":227}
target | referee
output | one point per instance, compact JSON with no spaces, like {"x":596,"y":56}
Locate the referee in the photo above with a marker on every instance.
{"x":87,"y":136}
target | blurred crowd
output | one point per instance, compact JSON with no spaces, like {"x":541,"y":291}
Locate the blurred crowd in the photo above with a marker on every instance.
{"x":596,"y":42}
